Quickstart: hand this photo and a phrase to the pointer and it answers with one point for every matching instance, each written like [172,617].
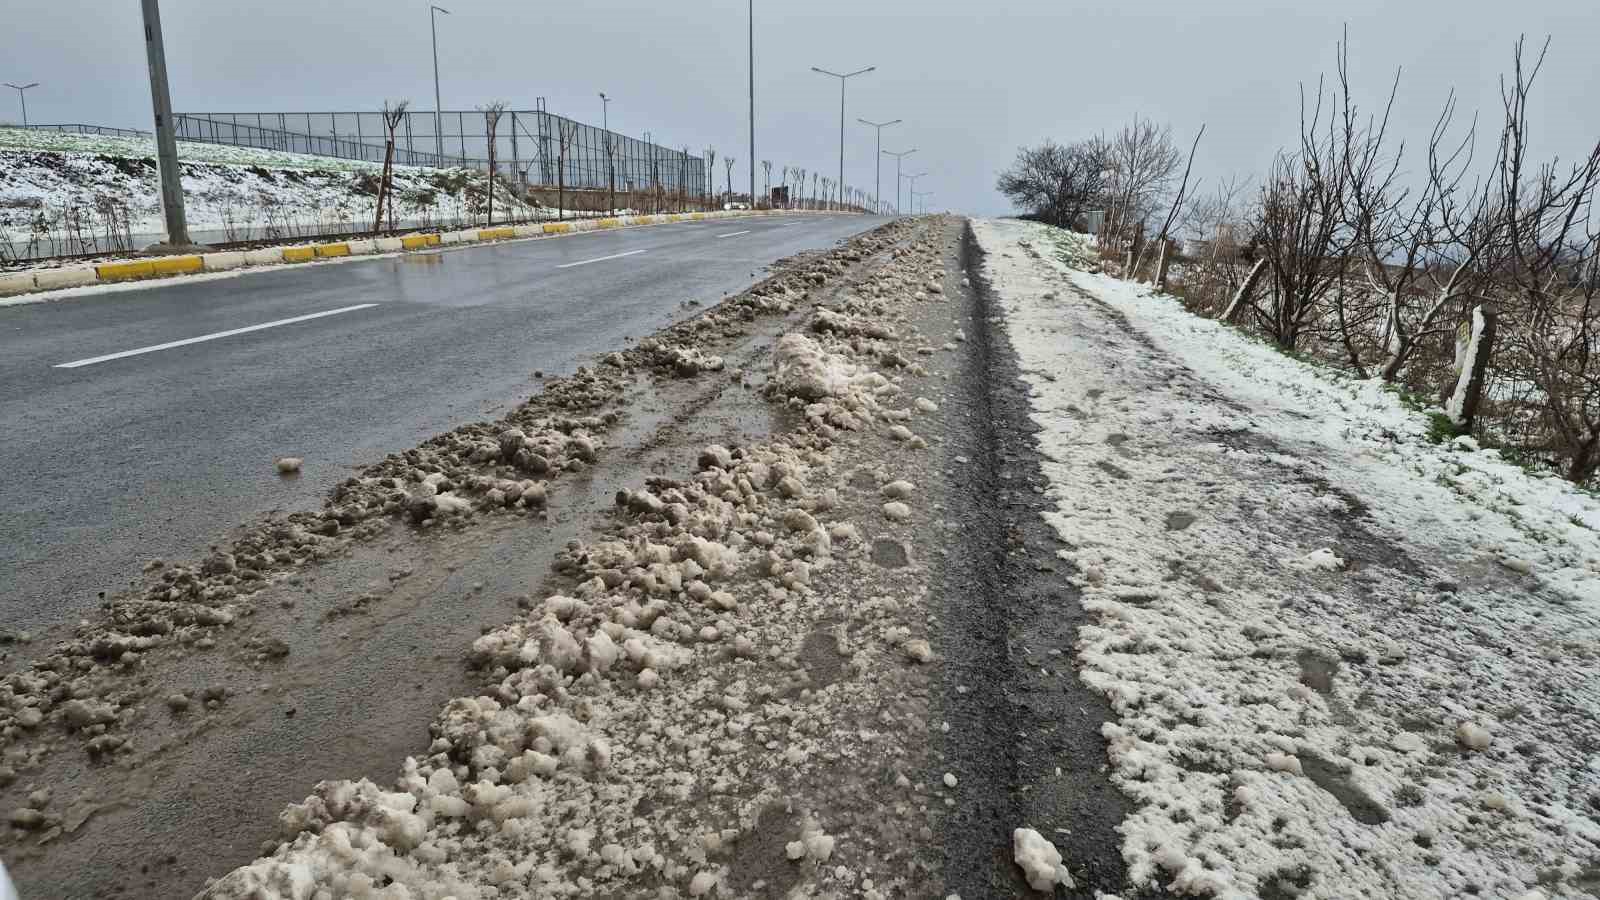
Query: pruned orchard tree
[711,174]
[567,130]
[393,114]
[1550,278]
[1056,182]
[491,125]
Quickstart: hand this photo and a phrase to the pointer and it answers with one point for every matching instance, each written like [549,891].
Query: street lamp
[438,131]
[166,138]
[877,174]
[611,166]
[912,190]
[924,195]
[751,10]
[19,88]
[842,80]
[897,176]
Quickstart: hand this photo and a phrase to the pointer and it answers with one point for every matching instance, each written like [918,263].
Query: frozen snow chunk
[701,884]
[716,456]
[917,650]
[794,849]
[949,779]
[1472,736]
[898,490]
[603,651]
[1039,859]
[288,465]
[1283,762]
[896,511]
[926,405]
[819,847]
[1323,560]
[900,433]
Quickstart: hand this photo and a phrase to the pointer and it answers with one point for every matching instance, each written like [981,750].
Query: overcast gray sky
[972,80]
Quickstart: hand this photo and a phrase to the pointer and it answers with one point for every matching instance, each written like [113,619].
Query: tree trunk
[1473,359]
[1241,297]
[1161,267]
[1586,459]
[383,183]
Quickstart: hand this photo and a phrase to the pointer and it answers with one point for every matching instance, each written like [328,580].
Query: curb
[19,283]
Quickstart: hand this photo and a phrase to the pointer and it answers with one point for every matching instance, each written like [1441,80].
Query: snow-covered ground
[1345,661]
[72,193]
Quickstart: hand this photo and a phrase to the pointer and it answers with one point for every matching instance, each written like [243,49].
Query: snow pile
[644,726]
[1345,661]
[1040,861]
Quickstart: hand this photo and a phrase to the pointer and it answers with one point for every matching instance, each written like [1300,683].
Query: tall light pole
[877,174]
[924,195]
[752,11]
[897,176]
[19,88]
[166,139]
[842,79]
[611,171]
[911,191]
[438,130]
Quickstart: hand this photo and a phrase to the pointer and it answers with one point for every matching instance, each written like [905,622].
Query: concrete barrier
[16,283]
[527,231]
[388,245]
[266,256]
[222,261]
[362,248]
[177,265]
[414,241]
[71,276]
[495,234]
[556,227]
[125,271]
[328,251]
[299,254]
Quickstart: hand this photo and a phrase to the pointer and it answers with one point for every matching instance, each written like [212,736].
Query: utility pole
[438,130]
[752,11]
[877,175]
[166,140]
[842,80]
[897,176]
[19,88]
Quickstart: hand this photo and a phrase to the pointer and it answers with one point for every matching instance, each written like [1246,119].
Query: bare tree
[711,174]
[566,131]
[784,179]
[766,183]
[1172,212]
[1140,163]
[1551,277]
[1056,182]
[727,164]
[491,124]
[393,114]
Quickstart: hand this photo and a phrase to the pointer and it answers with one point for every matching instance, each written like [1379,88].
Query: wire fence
[532,148]
[91,129]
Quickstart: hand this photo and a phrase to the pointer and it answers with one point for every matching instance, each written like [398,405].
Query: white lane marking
[585,262]
[79,363]
[787,224]
[734,233]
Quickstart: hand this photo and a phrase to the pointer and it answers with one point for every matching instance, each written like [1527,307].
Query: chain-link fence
[532,148]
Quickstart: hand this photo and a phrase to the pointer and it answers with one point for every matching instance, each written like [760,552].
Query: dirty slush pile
[707,707]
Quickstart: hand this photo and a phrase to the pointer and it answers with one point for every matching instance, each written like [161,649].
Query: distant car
[729,206]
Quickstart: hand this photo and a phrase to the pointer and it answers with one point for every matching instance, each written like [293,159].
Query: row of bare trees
[1407,264]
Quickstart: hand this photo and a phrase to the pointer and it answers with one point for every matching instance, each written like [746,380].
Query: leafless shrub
[1056,183]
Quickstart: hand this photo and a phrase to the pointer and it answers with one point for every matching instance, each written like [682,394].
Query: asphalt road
[111,462]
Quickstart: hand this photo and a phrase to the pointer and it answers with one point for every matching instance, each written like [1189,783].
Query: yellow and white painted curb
[17,283]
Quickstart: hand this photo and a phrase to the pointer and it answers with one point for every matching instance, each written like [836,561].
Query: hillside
[74,193]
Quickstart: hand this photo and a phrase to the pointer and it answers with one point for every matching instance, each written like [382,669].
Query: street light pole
[897,176]
[877,175]
[19,88]
[166,139]
[611,170]
[842,79]
[752,13]
[912,190]
[438,135]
